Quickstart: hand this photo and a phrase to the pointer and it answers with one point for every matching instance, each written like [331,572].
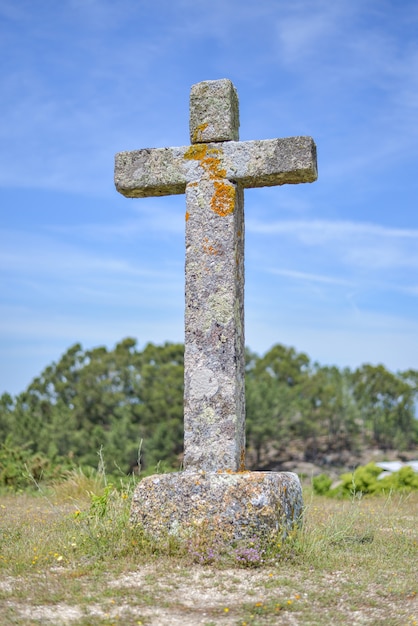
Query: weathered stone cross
[213,171]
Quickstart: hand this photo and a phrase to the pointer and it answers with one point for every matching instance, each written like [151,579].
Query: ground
[353,563]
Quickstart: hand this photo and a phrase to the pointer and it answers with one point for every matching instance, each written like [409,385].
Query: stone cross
[213,171]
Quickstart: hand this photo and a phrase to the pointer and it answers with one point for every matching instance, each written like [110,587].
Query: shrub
[321,484]
[21,468]
[365,480]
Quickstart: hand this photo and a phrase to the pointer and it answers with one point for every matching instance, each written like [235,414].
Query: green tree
[103,400]
[273,384]
[160,414]
[7,406]
[386,403]
[111,400]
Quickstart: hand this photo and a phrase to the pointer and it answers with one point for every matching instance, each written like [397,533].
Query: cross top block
[214,114]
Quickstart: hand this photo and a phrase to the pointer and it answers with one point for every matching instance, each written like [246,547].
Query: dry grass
[74,559]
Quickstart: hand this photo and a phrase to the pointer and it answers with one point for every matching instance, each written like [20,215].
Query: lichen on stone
[223,199]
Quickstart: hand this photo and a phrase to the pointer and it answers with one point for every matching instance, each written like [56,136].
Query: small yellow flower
[226,610]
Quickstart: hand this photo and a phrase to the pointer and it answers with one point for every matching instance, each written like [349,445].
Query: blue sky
[331,267]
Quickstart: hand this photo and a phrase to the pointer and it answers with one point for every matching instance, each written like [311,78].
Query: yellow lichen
[198,132]
[196,152]
[223,200]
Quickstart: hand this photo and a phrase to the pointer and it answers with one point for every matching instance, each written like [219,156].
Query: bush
[365,480]
[21,468]
[321,484]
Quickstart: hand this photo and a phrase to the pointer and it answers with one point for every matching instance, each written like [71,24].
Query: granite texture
[214,356]
[237,505]
[214,491]
[214,114]
[263,163]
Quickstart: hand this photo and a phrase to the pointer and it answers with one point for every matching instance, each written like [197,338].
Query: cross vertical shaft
[214,358]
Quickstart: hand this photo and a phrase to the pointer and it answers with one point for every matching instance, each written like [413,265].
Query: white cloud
[34,255]
[365,245]
[307,277]
[304,30]
[164,216]
[320,231]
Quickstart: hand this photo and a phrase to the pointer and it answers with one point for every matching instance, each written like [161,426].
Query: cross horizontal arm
[167,171]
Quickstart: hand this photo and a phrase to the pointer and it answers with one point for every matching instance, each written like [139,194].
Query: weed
[79,550]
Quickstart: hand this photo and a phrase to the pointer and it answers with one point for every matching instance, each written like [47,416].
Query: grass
[70,556]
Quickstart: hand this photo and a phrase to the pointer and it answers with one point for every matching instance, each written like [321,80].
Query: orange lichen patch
[212,166]
[208,248]
[223,200]
[209,159]
[187,215]
[242,460]
[233,472]
[198,132]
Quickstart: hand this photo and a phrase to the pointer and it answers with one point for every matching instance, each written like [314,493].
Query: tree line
[120,400]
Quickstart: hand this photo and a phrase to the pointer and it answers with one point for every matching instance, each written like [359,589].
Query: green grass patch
[71,555]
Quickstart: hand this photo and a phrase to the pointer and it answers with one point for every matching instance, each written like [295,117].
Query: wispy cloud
[307,277]
[319,231]
[305,30]
[366,245]
[159,217]
[34,254]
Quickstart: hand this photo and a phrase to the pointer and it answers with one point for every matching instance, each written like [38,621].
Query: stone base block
[236,505]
